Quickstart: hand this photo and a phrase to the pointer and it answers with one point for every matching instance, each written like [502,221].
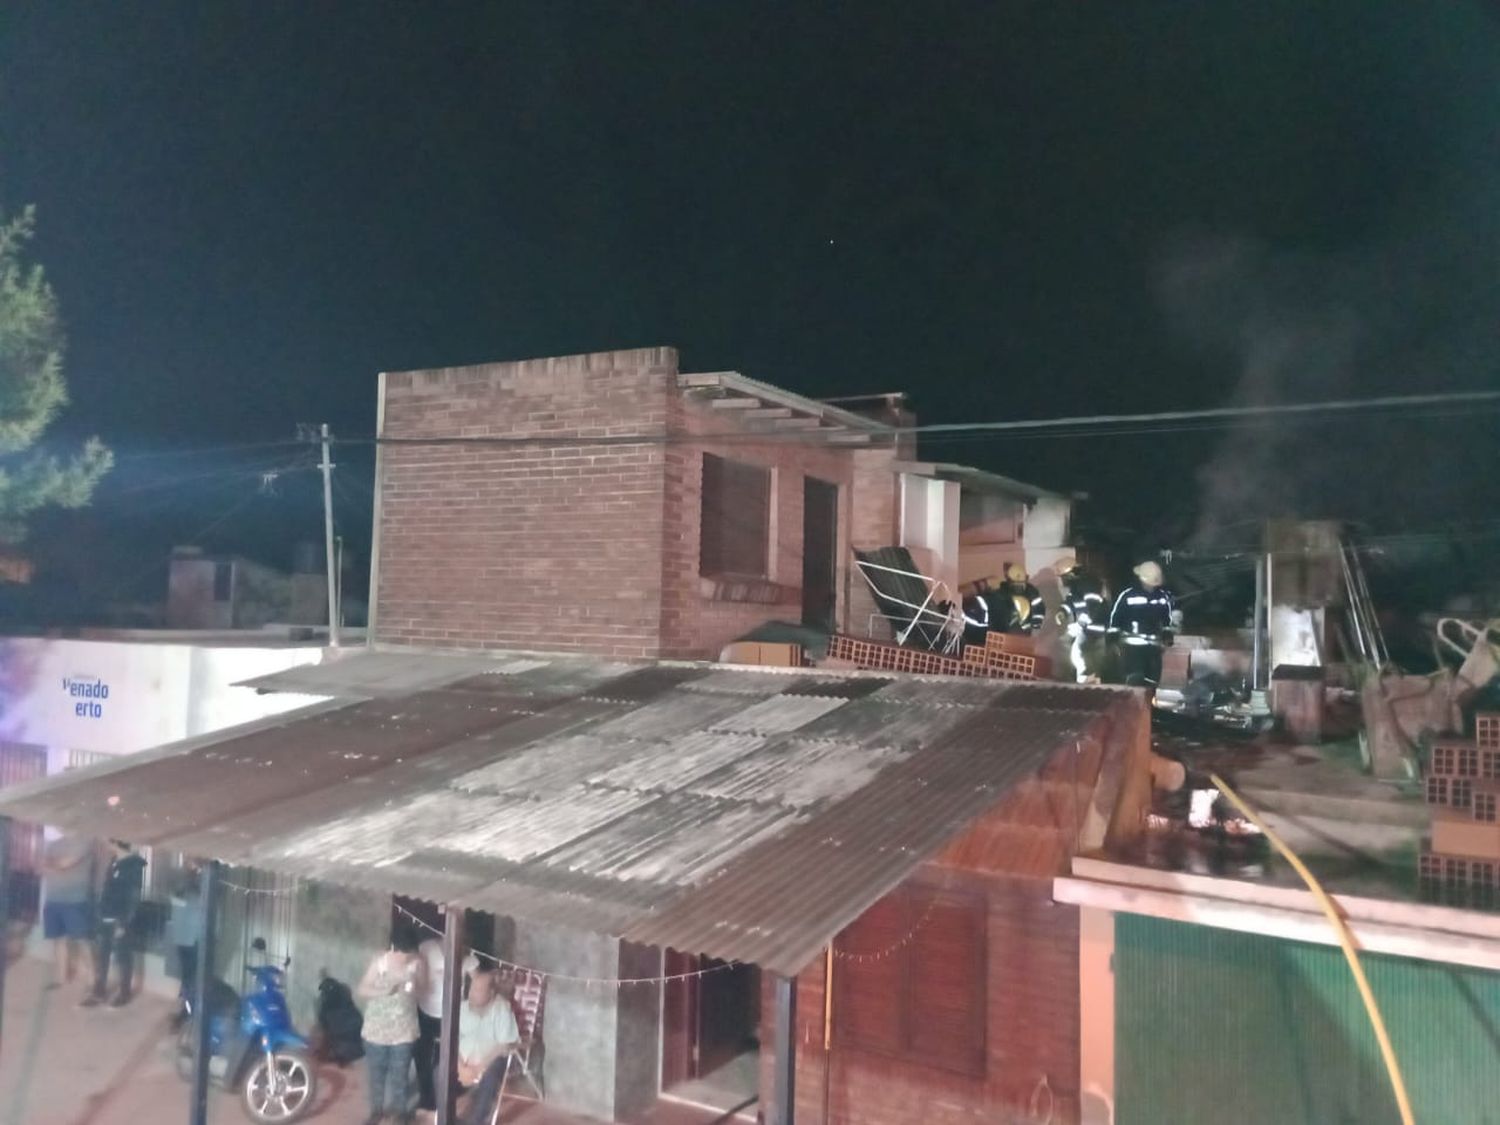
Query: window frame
[727,501]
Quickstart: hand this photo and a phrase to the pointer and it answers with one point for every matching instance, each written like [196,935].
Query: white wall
[930,525]
[1046,533]
[118,697]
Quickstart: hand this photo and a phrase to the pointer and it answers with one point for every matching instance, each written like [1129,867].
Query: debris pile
[1003,656]
[1462,859]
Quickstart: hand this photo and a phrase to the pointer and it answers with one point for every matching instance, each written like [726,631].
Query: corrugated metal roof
[738,814]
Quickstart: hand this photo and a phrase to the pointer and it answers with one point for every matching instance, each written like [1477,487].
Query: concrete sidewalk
[65,1065]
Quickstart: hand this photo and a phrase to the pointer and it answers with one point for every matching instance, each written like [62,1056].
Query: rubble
[1461,859]
[998,658]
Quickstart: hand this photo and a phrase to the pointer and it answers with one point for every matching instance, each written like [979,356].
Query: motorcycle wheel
[282,1095]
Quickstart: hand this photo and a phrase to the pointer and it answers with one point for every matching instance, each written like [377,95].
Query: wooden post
[208,890]
[784,1099]
[453,992]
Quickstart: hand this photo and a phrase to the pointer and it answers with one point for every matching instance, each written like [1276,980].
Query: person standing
[67,889]
[1145,619]
[1085,617]
[390,988]
[182,931]
[1030,610]
[119,908]
[429,1023]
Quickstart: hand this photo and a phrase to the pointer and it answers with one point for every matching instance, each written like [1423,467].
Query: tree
[33,391]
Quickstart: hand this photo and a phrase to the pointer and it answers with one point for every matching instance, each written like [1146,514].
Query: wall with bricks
[1033,1025]
[874,522]
[545,547]
[590,548]
[701,615]
[1031,1037]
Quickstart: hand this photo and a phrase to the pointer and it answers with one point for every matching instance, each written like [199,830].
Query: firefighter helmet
[1150,574]
[1015,572]
[1065,566]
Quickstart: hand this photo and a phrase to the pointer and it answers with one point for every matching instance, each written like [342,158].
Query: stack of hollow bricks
[1001,657]
[1463,788]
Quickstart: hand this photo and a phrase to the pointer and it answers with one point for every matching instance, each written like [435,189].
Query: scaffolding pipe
[1356,611]
[1258,628]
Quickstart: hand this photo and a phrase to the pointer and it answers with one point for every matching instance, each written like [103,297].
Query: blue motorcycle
[254,1048]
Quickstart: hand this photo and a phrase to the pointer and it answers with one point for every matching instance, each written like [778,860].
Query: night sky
[1010,210]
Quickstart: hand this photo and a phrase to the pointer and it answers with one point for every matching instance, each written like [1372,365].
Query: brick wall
[590,548]
[1032,1029]
[1031,1033]
[541,547]
[873,524]
[698,617]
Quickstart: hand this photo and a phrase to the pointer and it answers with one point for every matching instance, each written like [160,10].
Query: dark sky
[1008,209]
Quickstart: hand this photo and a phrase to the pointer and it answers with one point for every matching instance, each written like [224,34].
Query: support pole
[208,893]
[453,991]
[784,1098]
[1258,648]
[4,908]
[333,594]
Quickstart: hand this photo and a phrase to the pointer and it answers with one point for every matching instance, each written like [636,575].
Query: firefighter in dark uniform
[1030,611]
[976,614]
[1085,618]
[1143,621]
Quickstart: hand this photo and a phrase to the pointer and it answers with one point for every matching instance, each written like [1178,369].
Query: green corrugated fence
[1217,1026]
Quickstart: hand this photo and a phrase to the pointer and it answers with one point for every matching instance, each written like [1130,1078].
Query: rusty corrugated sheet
[737,814]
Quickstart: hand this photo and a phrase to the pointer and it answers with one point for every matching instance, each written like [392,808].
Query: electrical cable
[1079,425]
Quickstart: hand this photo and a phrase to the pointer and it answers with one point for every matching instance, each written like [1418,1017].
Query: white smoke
[1411,315]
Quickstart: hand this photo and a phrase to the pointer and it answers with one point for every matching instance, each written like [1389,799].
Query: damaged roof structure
[729,812]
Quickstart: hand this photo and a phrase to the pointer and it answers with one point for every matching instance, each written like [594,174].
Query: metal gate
[254,904]
[20,761]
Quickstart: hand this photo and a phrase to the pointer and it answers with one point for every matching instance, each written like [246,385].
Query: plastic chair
[528,999]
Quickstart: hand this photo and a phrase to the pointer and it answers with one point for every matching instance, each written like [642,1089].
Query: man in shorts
[67,911]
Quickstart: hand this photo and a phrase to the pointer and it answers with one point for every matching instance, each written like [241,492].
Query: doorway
[711,1032]
[820,537]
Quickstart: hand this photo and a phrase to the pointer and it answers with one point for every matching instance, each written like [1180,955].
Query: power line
[1414,406]
[206,450]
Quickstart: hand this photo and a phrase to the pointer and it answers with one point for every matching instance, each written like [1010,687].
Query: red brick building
[610,504]
[956,999]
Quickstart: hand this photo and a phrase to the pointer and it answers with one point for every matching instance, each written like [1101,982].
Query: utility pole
[333,594]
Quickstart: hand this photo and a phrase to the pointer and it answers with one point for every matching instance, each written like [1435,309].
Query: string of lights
[547,974]
[499,962]
[894,947]
[269,892]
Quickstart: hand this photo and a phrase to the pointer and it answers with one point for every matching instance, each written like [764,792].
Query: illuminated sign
[88,695]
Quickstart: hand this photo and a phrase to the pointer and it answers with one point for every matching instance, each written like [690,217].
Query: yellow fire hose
[1346,940]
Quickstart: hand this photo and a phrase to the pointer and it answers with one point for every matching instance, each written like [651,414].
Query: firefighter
[976,615]
[1084,615]
[1144,619]
[1030,611]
